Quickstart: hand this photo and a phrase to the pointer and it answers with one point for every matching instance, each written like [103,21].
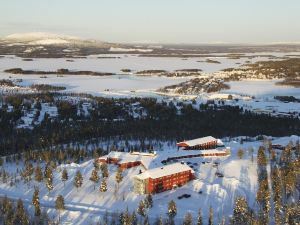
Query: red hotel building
[163,178]
[203,143]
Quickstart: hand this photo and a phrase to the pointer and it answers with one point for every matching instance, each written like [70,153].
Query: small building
[163,178]
[126,160]
[203,143]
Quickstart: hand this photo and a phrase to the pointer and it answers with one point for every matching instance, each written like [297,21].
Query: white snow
[37,36]
[164,171]
[114,49]
[199,141]
[49,42]
[86,205]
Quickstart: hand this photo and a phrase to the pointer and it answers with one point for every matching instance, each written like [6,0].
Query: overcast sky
[157,21]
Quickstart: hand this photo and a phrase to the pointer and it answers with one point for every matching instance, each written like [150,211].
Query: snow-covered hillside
[88,205]
[40,38]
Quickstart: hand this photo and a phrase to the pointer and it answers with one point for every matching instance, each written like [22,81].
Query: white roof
[199,141]
[164,171]
[126,157]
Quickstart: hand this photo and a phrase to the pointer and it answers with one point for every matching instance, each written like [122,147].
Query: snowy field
[119,85]
[133,62]
[86,205]
[261,88]
[130,85]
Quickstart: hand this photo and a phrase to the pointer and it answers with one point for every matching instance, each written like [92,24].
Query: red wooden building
[203,143]
[163,178]
[126,160]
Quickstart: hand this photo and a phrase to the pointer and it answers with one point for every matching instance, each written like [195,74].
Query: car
[186,195]
[218,174]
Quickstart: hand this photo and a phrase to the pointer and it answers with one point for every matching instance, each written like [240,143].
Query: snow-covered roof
[125,157]
[198,141]
[165,171]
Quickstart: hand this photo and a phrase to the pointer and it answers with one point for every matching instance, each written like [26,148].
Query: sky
[157,21]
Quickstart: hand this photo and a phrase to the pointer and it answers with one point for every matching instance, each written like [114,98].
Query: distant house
[203,143]
[126,160]
[162,179]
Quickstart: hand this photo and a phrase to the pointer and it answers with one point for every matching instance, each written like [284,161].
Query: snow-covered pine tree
[199,218]
[146,220]
[28,171]
[49,178]
[119,176]
[133,218]
[38,174]
[59,204]
[104,170]
[64,176]
[188,219]
[211,216]
[126,218]
[240,153]
[20,216]
[36,202]
[172,209]
[103,186]
[96,165]
[159,221]
[78,180]
[277,194]
[94,177]
[241,212]
[148,201]
[141,210]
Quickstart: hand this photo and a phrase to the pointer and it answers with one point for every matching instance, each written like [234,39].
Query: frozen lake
[132,85]
[261,88]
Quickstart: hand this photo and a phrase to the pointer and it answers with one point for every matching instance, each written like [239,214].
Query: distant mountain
[41,38]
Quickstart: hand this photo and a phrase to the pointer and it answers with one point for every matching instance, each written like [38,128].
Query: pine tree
[27,172]
[172,209]
[38,174]
[211,216]
[141,210]
[64,176]
[103,186]
[148,201]
[133,218]
[119,176]
[44,218]
[20,216]
[60,204]
[277,194]
[6,206]
[159,221]
[146,220]
[78,180]
[240,153]
[104,170]
[241,212]
[188,219]
[261,157]
[94,177]
[36,202]
[49,178]
[199,219]
[126,220]
[96,165]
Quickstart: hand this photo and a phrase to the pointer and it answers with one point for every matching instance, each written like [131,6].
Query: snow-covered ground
[130,85]
[86,205]
[261,88]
